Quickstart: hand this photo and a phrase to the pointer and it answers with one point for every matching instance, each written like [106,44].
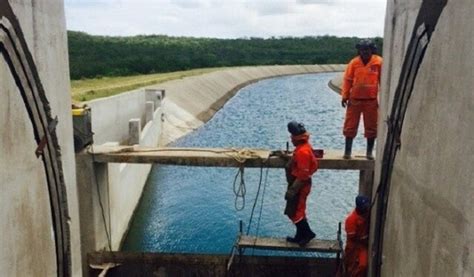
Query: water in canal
[192,209]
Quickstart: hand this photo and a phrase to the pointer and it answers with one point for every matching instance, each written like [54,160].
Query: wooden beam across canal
[230,157]
[218,157]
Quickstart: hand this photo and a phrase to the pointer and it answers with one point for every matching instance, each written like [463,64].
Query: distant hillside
[95,56]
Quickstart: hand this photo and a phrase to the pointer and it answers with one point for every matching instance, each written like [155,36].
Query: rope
[256,200]
[261,204]
[240,193]
[240,155]
[240,190]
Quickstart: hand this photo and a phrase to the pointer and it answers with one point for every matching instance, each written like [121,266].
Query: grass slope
[88,89]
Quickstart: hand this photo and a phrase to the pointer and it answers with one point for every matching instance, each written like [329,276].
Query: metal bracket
[51,127]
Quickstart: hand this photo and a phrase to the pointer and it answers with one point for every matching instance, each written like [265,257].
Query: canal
[195,210]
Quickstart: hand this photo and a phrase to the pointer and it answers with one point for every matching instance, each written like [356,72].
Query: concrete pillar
[366,181]
[162,94]
[149,111]
[154,95]
[92,182]
[134,129]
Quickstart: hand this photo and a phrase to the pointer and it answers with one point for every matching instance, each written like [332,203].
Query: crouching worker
[357,229]
[298,173]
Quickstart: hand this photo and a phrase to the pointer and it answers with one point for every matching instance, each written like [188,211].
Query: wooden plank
[217,157]
[315,245]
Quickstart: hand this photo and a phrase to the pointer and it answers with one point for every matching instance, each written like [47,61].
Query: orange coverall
[304,164]
[356,252]
[360,87]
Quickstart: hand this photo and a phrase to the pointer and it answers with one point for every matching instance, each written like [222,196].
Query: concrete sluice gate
[155,264]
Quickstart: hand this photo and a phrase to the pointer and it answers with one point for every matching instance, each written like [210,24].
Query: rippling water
[191,209]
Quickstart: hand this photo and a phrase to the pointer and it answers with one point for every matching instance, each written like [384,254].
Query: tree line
[96,56]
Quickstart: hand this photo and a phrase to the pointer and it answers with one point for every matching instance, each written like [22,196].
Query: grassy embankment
[88,89]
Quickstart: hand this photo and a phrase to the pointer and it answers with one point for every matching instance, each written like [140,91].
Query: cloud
[189,4]
[227,19]
[90,3]
[316,2]
[265,8]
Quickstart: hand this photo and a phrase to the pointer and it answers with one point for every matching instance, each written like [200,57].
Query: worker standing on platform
[357,229]
[359,94]
[299,171]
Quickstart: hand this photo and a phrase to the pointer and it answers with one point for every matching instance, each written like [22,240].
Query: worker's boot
[297,236]
[307,233]
[370,148]
[348,148]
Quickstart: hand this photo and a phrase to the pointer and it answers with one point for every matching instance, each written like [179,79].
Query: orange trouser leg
[350,260]
[351,122]
[370,115]
[361,270]
[355,261]
[300,213]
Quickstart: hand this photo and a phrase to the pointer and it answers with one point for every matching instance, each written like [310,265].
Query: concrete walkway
[336,83]
[192,101]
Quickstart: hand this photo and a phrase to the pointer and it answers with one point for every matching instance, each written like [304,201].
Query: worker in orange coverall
[359,94]
[357,230]
[299,171]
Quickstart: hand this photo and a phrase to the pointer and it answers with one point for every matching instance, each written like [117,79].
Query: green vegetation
[103,56]
[88,89]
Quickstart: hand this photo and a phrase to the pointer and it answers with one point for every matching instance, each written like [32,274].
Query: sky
[227,18]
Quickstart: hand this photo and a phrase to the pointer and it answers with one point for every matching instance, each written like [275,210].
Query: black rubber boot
[297,236]
[348,148]
[370,148]
[307,233]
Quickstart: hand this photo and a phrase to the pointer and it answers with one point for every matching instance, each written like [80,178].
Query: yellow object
[78,112]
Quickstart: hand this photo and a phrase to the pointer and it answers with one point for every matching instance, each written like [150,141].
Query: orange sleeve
[351,226]
[347,81]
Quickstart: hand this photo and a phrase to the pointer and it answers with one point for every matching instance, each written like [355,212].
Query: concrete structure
[429,227]
[192,101]
[336,83]
[109,194]
[111,115]
[31,242]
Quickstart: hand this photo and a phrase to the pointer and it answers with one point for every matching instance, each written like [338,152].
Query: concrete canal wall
[429,228]
[29,194]
[109,193]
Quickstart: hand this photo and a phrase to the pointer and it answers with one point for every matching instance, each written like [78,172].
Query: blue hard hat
[366,43]
[362,202]
[296,128]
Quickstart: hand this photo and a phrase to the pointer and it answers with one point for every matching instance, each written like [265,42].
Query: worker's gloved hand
[344,103]
[293,190]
